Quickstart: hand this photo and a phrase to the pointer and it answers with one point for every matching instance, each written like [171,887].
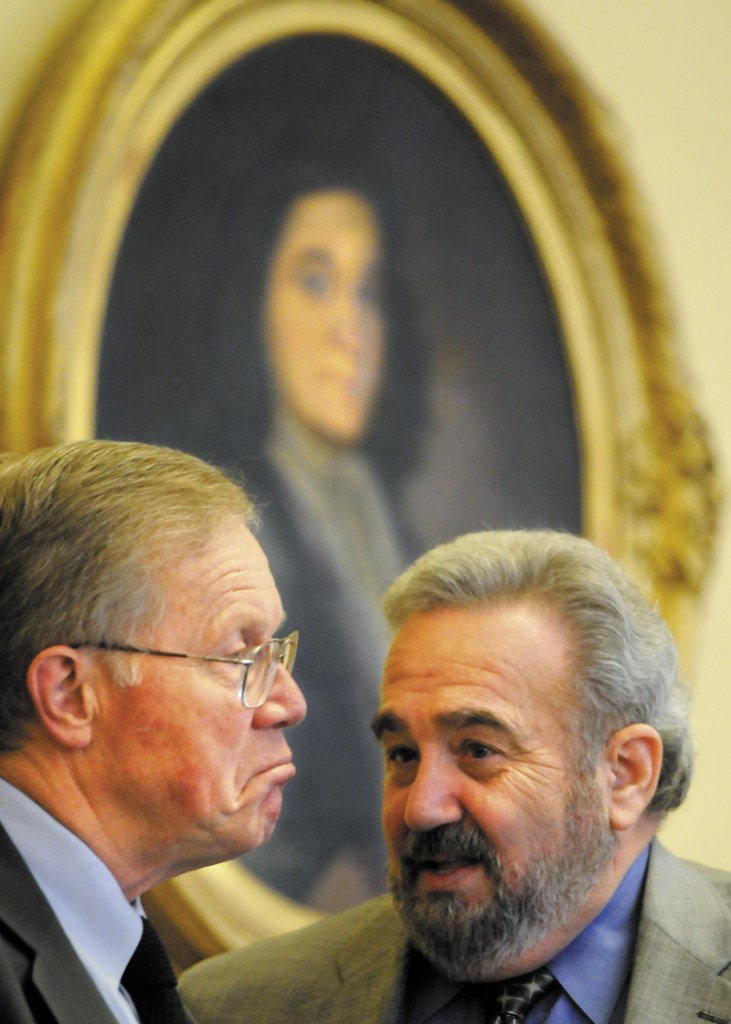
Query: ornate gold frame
[91,128]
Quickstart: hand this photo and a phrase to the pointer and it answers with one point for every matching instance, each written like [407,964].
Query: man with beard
[535,732]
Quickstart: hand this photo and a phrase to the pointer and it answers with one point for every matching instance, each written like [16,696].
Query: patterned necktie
[517,996]
[151,983]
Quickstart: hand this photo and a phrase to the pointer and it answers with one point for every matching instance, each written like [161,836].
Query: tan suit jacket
[349,969]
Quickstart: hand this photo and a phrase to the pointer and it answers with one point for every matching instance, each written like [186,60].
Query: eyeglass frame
[286,644]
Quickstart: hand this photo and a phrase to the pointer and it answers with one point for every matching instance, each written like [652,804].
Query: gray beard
[472,943]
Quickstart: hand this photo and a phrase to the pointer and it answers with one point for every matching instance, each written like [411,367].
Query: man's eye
[478,751]
[400,755]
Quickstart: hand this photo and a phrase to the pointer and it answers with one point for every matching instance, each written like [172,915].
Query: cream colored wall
[662,68]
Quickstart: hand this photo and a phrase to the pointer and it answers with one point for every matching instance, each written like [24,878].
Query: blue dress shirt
[594,969]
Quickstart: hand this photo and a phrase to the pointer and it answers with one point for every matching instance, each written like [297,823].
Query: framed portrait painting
[380,259]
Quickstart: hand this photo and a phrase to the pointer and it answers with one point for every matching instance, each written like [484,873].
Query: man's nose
[285,706]
[433,798]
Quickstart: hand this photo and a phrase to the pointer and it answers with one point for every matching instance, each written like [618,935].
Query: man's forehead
[518,630]
[504,664]
[230,569]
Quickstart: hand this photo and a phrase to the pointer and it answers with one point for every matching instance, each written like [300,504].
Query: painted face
[494,842]
[198,775]
[322,315]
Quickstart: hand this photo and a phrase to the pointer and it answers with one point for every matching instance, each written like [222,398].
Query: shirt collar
[608,940]
[76,883]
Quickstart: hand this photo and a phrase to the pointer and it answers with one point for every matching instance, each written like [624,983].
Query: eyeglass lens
[260,675]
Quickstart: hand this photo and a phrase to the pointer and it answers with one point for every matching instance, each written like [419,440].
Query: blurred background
[661,68]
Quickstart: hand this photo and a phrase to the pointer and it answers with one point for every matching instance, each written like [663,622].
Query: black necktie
[151,983]
[516,997]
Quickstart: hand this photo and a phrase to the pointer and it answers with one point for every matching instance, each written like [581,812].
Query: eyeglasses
[258,668]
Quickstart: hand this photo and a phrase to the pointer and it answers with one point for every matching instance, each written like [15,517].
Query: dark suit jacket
[42,980]
[349,969]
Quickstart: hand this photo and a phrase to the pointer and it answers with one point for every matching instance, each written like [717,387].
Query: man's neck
[50,778]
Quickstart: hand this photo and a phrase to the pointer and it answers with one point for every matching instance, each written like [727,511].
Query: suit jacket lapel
[64,983]
[371,966]
[682,966]
[57,972]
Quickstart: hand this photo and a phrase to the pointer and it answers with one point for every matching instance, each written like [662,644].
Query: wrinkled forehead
[227,576]
[498,657]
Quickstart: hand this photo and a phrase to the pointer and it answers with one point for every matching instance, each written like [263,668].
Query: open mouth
[444,865]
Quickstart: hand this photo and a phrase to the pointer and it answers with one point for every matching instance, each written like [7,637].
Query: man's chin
[440,927]
[270,811]
[256,823]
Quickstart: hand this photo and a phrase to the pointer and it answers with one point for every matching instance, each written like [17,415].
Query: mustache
[455,841]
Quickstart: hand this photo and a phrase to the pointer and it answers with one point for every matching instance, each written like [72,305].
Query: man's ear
[633,760]
[60,687]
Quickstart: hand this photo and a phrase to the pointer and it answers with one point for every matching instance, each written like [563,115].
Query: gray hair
[624,656]
[86,531]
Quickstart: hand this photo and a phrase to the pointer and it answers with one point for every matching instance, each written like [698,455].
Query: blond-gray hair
[86,530]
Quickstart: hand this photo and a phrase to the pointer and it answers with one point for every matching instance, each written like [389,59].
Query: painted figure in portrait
[330,331]
[326,286]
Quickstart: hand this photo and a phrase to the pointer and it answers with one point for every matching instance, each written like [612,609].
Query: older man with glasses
[142,718]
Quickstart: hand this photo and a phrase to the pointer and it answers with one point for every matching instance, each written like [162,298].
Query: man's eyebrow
[461,718]
[466,718]
[386,721]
